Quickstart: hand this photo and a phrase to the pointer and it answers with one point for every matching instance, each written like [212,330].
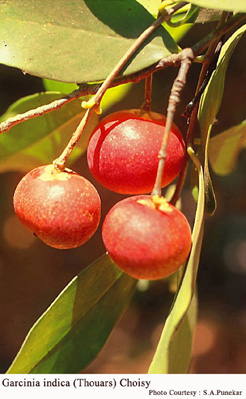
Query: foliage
[68,43]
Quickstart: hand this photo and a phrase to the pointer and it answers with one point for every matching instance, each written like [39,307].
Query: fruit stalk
[179,83]
[148,91]
[62,159]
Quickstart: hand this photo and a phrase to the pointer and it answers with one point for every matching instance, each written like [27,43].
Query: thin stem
[180,183]
[61,160]
[179,83]
[216,35]
[209,64]
[148,93]
[43,109]
[132,50]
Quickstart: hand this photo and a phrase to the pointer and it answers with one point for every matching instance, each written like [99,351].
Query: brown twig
[43,109]
[61,160]
[187,58]
[148,93]
[216,35]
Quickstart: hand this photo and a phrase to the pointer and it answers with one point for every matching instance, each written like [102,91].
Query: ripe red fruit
[148,239]
[123,151]
[61,208]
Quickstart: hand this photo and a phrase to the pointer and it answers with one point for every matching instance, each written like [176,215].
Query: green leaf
[200,15]
[178,32]
[78,41]
[225,148]
[212,96]
[54,85]
[111,96]
[40,140]
[180,347]
[209,107]
[151,6]
[178,329]
[227,5]
[77,324]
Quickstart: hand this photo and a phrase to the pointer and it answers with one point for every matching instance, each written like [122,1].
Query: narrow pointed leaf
[209,107]
[77,324]
[69,41]
[180,347]
[225,148]
[40,140]
[178,329]
[227,5]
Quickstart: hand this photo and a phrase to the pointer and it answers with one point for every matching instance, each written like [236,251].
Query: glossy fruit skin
[146,242]
[61,208]
[122,153]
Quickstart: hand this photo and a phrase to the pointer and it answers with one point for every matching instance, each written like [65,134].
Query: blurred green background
[32,274]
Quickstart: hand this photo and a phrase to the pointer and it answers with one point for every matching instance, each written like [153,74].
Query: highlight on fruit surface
[61,208]
[122,153]
[147,238]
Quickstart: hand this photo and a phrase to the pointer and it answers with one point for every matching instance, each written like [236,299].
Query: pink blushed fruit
[61,208]
[147,238]
[123,151]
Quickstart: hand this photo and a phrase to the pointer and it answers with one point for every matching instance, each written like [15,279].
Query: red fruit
[123,151]
[61,208]
[148,239]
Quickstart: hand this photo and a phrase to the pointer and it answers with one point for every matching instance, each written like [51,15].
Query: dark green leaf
[40,140]
[178,329]
[77,324]
[227,5]
[78,41]
[225,148]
